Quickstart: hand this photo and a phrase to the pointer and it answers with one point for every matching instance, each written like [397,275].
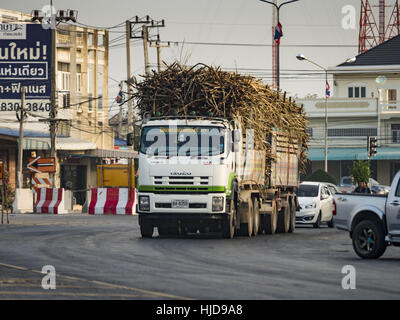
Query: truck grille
[191,205]
[181,181]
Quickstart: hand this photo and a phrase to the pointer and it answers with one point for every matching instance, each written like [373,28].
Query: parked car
[371,220]
[315,204]
[346,184]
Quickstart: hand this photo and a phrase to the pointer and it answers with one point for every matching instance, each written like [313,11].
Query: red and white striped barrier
[112,201]
[52,200]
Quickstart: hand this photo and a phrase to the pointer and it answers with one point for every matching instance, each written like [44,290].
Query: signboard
[25,60]
[40,165]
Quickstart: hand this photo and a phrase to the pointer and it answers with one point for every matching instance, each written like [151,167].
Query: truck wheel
[284,220]
[246,229]
[331,223]
[271,221]
[369,240]
[146,229]
[256,217]
[317,223]
[228,221]
[292,225]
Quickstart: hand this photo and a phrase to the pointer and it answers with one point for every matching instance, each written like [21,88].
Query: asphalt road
[104,257]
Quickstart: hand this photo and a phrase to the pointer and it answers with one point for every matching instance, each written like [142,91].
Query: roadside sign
[25,60]
[40,165]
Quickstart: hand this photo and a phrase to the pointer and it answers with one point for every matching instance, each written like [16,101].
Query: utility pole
[53,111]
[146,49]
[158,46]
[130,119]
[278,7]
[21,119]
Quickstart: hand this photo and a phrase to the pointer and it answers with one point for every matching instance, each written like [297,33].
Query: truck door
[393,210]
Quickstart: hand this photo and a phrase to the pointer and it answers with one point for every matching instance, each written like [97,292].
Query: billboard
[25,60]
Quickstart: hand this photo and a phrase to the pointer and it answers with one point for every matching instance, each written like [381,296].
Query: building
[365,103]
[84,137]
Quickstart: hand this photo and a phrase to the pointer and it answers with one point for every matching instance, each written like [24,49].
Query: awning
[62,143]
[318,154]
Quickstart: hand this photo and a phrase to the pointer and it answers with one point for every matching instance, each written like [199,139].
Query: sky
[308,25]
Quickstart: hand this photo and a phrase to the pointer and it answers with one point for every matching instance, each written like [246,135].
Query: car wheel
[369,240]
[331,223]
[317,223]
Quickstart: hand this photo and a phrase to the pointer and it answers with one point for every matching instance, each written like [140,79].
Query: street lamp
[277,54]
[301,57]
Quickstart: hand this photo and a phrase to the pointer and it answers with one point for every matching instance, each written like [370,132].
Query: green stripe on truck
[181,188]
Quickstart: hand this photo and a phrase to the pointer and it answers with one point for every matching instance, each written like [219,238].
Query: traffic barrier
[53,200]
[112,201]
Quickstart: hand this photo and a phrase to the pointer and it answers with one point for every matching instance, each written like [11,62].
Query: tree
[360,171]
[320,176]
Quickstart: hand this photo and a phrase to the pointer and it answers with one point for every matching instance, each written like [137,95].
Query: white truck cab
[186,169]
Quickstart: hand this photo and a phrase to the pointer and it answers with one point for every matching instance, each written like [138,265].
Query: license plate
[180,204]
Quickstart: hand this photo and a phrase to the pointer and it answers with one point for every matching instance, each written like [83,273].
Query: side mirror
[236,135]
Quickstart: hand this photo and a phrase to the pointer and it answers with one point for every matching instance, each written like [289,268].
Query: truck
[373,221]
[228,187]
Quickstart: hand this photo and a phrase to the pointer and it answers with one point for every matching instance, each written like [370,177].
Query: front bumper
[161,204]
[307,216]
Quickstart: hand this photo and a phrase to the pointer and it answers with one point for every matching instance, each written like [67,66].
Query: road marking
[107,284]
[75,294]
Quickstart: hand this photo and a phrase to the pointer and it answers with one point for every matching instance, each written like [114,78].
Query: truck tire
[284,220]
[256,217]
[271,221]
[228,221]
[292,225]
[246,229]
[146,229]
[369,239]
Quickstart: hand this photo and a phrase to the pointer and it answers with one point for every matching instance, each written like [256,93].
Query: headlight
[144,203]
[217,203]
[311,206]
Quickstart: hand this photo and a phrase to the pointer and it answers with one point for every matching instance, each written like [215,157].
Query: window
[62,66]
[91,39]
[79,82]
[310,131]
[100,86]
[90,101]
[352,132]
[66,98]
[90,78]
[392,96]
[100,40]
[396,133]
[357,92]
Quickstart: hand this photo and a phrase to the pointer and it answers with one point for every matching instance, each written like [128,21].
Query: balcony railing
[338,107]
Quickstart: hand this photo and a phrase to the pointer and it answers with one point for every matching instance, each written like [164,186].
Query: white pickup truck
[372,220]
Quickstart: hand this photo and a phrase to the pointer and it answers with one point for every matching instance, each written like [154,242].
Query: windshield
[306,190]
[182,141]
[347,181]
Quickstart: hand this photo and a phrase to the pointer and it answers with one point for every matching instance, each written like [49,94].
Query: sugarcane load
[219,152]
